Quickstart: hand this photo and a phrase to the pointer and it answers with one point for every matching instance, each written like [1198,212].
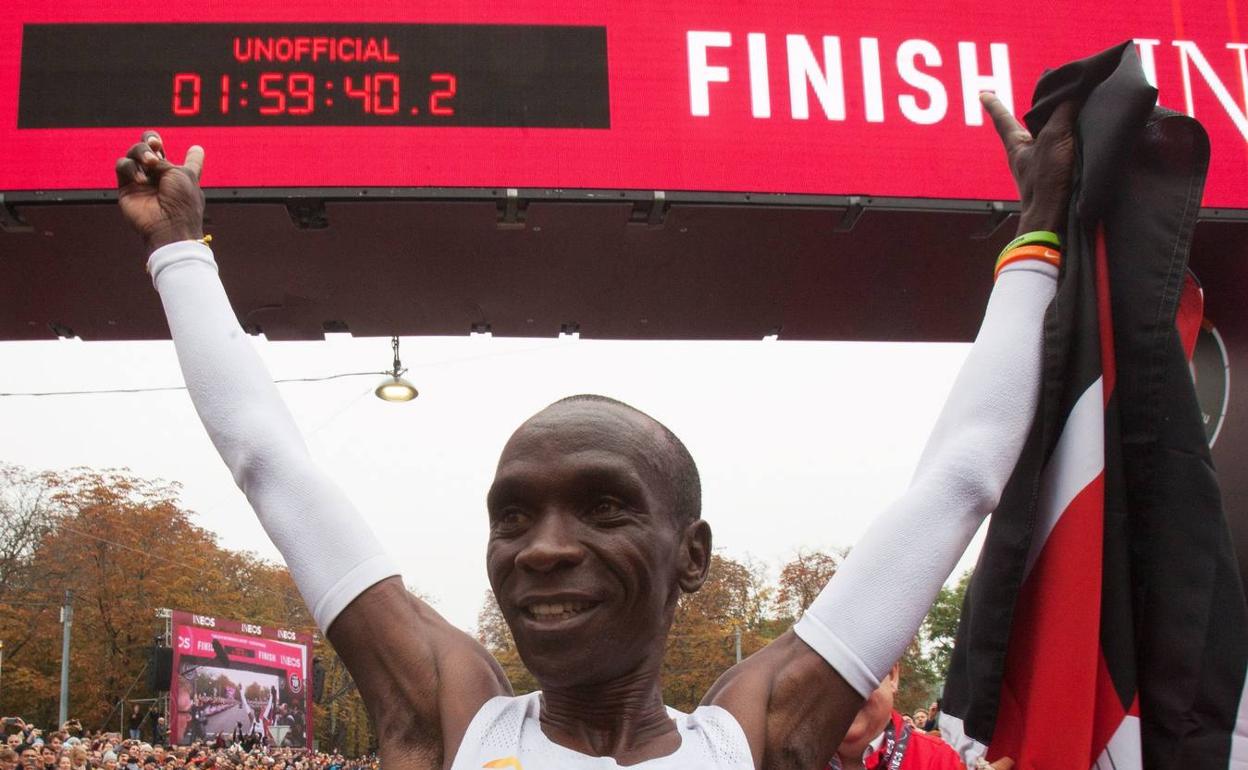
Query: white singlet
[507,733]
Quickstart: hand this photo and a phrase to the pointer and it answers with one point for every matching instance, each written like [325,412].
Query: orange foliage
[124,547]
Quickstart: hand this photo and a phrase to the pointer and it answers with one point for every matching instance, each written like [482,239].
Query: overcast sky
[799,444]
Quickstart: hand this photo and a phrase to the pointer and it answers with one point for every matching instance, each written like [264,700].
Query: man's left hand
[1042,165]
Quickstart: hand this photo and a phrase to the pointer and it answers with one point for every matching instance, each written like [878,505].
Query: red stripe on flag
[1191,314]
[1048,696]
[1109,709]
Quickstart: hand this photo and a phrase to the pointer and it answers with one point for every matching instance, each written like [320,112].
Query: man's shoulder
[931,753]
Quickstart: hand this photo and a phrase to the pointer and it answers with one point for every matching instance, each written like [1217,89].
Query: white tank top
[507,733]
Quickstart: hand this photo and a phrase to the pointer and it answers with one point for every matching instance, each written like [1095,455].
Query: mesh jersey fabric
[507,733]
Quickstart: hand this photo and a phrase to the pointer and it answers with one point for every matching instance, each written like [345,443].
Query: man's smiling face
[587,551]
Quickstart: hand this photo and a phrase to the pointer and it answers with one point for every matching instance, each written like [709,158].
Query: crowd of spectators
[71,747]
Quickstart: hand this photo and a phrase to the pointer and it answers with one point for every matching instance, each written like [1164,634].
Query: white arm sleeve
[331,553]
[868,613]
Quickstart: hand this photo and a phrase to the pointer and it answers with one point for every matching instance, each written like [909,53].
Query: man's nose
[551,544]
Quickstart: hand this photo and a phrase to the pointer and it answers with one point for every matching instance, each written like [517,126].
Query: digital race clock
[877,100]
[99,75]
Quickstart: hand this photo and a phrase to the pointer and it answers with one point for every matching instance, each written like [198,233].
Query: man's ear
[695,556]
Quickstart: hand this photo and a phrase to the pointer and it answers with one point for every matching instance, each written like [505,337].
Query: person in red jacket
[878,739]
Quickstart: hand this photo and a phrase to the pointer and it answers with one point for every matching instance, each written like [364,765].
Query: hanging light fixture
[396,388]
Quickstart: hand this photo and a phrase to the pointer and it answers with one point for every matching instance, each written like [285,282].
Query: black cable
[431,365]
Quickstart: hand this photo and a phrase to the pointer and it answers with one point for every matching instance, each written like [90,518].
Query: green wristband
[1040,237]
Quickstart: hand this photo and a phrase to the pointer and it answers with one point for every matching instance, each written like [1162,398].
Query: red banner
[240,681]
[242,649]
[873,99]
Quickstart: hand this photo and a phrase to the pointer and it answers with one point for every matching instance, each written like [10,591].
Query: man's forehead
[575,426]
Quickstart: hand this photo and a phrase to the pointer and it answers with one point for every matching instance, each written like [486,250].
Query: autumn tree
[920,682]
[27,514]
[940,628]
[495,636]
[124,547]
[342,722]
[802,578]
[925,665]
[925,662]
[735,599]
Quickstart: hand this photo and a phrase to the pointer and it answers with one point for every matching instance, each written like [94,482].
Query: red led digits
[393,81]
[269,91]
[435,99]
[363,94]
[182,107]
[311,72]
[301,85]
[295,94]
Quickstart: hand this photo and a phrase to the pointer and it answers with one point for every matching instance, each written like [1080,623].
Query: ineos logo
[287,635]
[248,628]
[204,620]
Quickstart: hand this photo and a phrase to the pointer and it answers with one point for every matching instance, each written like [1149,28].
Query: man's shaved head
[595,533]
[680,467]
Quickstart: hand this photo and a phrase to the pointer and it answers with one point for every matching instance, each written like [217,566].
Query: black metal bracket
[652,212]
[307,213]
[854,210]
[512,210]
[61,330]
[335,327]
[997,216]
[11,221]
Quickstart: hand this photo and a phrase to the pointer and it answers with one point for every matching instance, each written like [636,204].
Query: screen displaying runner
[240,681]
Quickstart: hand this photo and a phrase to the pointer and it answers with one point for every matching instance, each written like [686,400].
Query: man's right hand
[161,201]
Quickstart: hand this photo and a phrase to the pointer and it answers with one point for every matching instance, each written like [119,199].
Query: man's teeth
[558,610]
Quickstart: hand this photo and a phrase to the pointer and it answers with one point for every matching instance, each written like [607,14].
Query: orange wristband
[1035,251]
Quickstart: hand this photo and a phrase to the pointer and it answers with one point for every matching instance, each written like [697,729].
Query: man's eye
[606,508]
[510,518]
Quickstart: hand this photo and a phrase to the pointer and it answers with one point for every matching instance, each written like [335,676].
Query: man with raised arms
[595,531]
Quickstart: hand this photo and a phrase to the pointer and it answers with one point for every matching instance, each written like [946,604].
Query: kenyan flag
[1106,626]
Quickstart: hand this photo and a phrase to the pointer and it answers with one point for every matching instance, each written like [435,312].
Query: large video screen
[239,680]
[775,96]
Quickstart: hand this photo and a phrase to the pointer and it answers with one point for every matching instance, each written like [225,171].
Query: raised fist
[161,201]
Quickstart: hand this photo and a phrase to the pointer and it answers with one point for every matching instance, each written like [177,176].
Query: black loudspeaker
[160,668]
[318,680]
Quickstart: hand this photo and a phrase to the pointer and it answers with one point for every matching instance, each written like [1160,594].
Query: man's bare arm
[797,697]
[422,679]
[394,645]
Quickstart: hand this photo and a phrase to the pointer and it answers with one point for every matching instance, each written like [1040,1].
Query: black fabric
[1174,627]
[1116,102]
[1072,362]
[1191,623]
